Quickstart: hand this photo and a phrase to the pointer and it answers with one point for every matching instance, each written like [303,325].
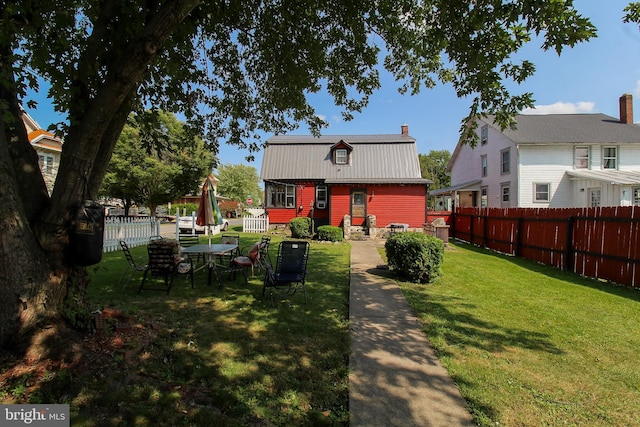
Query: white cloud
[561,108]
[321,117]
[637,89]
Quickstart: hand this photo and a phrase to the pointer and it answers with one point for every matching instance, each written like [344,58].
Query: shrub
[300,227]
[415,256]
[330,233]
[184,208]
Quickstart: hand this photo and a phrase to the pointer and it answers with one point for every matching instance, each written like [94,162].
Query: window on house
[281,195]
[581,158]
[505,161]
[46,164]
[484,200]
[321,196]
[610,158]
[484,134]
[341,156]
[636,196]
[594,197]
[505,190]
[483,161]
[542,192]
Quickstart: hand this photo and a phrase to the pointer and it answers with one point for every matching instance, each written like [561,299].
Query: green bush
[184,208]
[300,227]
[415,256]
[330,233]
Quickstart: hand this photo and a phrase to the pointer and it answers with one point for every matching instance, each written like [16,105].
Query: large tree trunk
[38,284]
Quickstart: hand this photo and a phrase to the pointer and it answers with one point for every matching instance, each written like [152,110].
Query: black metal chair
[132,265]
[257,257]
[229,239]
[165,263]
[290,271]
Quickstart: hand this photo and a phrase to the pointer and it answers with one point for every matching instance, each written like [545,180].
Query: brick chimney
[405,128]
[626,109]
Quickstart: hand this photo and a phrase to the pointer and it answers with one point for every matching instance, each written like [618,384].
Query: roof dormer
[341,153]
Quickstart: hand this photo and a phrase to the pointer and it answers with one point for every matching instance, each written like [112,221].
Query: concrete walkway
[395,377]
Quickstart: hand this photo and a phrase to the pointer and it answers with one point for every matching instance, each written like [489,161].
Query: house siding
[545,164]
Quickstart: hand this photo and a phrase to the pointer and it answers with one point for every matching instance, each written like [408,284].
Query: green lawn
[225,357]
[533,346]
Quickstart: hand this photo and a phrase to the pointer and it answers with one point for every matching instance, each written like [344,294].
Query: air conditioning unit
[321,204]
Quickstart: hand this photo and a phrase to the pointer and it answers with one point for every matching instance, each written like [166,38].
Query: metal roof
[571,128]
[374,159]
[471,185]
[609,176]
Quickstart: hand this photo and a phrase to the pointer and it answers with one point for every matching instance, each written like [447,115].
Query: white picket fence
[255,221]
[134,231]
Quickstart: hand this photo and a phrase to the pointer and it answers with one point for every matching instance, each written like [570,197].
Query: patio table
[210,252]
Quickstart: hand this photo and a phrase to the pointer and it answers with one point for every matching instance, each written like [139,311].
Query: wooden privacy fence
[134,231]
[601,242]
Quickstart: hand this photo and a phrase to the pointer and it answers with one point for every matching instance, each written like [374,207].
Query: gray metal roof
[471,185]
[571,128]
[374,159]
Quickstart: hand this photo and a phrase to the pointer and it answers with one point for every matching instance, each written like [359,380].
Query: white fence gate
[134,231]
[255,221]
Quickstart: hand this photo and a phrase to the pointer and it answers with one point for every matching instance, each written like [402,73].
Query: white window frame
[505,194]
[636,196]
[607,158]
[483,164]
[280,195]
[484,196]
[505,165]
[484,135]
[595,197]
[539,194]
[581,161]
[321,196]
[342,156]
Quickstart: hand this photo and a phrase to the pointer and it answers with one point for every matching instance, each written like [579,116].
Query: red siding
[404,204]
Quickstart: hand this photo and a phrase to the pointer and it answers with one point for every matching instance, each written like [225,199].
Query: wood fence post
[569,250]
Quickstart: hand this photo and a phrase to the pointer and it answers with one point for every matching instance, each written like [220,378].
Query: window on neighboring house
[483,161]
[505,161]
[46,164]
[483,197]
[505,197]
[281,195]
[342,157]
[581,158]
[594,197]
[321,196]
[541,192]
[610,158]
[484,134]
[636,196]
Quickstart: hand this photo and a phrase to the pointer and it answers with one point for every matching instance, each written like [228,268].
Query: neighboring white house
[555,161]
[48,147]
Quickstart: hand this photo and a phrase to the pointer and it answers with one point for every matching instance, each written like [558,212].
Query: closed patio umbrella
[208,212]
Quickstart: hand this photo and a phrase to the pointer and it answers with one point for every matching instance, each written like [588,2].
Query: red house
[373,178]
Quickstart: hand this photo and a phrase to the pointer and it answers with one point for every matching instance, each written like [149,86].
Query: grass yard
[533,346]
[205,356]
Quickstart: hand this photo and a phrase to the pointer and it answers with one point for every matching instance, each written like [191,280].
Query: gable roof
[570,128]
[374,159]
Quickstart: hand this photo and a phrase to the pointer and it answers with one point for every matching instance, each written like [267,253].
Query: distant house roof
[571,128]
[373,159]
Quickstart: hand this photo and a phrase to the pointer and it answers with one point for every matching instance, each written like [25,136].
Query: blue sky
[586,79]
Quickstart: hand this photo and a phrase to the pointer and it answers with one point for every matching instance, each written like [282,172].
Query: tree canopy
[433,166]
[239,182]
[232,69]
[155,174]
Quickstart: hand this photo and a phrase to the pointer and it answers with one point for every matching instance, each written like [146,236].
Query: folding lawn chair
[290,271]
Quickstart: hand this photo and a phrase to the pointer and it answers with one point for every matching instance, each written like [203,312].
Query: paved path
[395,377]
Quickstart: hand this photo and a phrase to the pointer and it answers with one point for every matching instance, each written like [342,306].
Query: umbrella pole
[209,227]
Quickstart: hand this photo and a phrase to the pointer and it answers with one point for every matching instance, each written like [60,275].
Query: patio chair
[257,257]
[290,271]
[132,265]
[166,263]
[188,240]
[229,239]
